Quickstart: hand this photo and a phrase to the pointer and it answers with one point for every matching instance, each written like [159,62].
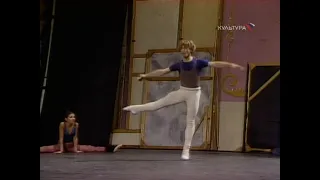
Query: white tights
[189,95]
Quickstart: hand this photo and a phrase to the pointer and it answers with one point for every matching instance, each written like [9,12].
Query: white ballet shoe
[185,155]
[128,108]
[117,147]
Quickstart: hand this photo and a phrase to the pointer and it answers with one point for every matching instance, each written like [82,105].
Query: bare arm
[223,64]
[61,134]
[75,138]
[158,72]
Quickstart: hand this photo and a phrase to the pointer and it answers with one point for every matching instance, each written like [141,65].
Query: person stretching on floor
[68,139]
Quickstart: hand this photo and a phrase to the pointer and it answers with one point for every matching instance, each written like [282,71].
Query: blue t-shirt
[187,66]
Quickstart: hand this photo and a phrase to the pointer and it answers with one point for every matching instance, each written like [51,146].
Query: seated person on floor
[68,139]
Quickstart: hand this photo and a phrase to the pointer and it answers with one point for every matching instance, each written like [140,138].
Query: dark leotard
[68,137]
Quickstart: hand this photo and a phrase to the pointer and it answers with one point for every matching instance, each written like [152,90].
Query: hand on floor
[58,152]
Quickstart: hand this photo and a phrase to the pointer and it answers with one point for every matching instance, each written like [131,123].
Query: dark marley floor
[158,165]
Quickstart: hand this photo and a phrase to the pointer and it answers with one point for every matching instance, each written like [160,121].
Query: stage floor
[158,165]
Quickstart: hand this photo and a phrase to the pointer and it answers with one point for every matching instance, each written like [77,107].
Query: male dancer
[189,92]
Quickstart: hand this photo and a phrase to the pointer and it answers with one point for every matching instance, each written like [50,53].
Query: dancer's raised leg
[173,97]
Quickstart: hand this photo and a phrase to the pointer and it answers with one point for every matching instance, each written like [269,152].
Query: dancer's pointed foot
[185,155]
[113,148]
[129,108]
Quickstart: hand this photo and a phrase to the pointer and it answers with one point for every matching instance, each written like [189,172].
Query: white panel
[156,25]
[136,98]
[126,138]
[139,65]
[231,125]
[135,121]
[136,91]
[200,20]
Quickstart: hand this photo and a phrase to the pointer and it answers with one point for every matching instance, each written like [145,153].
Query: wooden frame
[123,85]
[209,110]
[121,74]
[180,21]
[217,82]
[126,131]
[131,58]
[251,66]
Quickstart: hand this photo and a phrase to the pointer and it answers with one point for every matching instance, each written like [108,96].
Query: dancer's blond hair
[187,44]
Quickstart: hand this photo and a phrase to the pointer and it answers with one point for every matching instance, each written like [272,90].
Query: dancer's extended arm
[75,139]
[158,72]
[61,134]
[223,64]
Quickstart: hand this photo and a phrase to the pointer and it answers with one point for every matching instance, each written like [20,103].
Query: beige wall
[231,126]
[157,25]
[200,19]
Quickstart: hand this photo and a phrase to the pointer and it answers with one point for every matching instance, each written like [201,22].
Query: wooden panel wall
[160,24]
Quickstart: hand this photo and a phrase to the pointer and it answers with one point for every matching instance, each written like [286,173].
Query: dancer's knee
[84,148]
[170,99]
[191,125]
[191,120]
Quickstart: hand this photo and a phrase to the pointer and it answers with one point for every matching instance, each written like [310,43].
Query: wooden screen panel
[156,25]
[136,98]
[200,21]
[263,108]
[138,65]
